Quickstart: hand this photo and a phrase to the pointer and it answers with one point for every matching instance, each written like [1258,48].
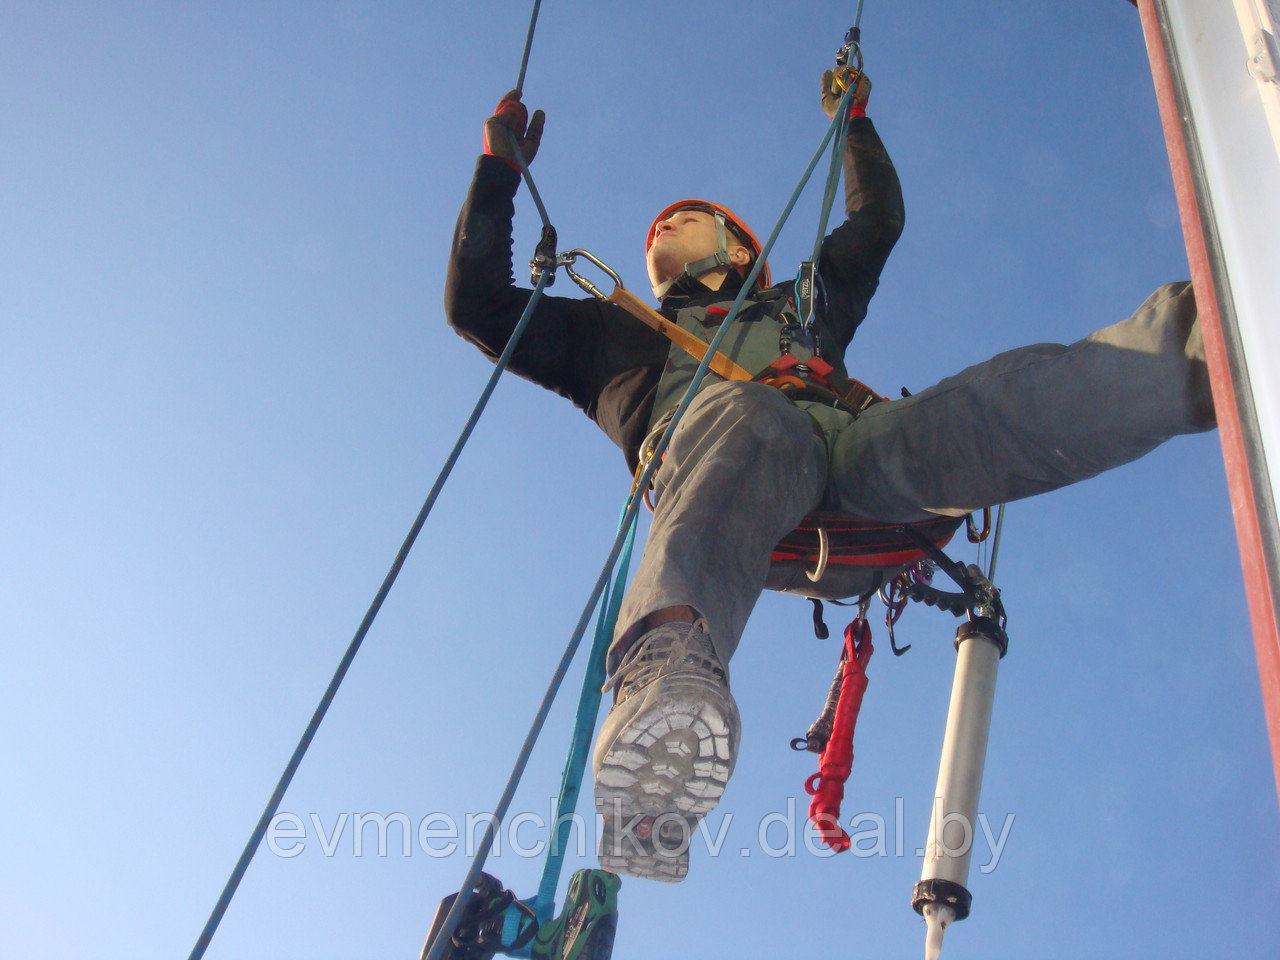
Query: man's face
[685,236]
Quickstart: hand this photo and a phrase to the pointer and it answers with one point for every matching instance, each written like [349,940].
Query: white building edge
[1216,66]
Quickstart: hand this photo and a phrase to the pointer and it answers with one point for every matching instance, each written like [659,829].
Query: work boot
[665,751]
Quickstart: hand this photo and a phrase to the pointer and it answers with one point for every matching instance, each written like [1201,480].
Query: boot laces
[663,650]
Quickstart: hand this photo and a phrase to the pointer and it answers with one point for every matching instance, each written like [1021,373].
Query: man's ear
[740,256]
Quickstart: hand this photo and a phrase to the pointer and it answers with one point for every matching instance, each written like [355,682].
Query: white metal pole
[941,895]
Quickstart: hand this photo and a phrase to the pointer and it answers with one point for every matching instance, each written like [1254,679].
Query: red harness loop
[826,787]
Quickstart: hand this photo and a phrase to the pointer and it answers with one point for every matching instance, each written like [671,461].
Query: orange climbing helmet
[722,214]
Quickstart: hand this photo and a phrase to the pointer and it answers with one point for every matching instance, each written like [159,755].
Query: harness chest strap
[815,379]
[682,338]
[818,375]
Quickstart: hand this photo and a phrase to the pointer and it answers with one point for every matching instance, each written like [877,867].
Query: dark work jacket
[610,364]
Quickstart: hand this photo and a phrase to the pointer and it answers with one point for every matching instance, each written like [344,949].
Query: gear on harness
[822,539]
[831,735]
[815,379]
[980,596]
[478,933]
[897,592]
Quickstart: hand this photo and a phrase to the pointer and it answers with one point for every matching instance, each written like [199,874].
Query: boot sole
[665,770]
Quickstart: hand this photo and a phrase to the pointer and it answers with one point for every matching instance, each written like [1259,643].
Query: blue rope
[528,179]
[528,44]
[584,725]
[723,329]
[273,804]
[833,172]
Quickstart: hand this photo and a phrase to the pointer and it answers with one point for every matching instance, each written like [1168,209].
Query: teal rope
[535,729]
[543,904]
[723,329]
[584,725]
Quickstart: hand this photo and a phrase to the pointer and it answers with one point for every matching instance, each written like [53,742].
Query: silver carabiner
[567,261]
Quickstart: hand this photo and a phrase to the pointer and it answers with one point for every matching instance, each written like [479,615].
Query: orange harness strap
[682,338]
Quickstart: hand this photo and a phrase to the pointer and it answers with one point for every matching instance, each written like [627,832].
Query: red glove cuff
[503,107]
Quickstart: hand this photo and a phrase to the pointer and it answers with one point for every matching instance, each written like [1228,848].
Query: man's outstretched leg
[744,466]
[1030,420]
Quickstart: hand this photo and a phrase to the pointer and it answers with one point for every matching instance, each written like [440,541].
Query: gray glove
[834,86]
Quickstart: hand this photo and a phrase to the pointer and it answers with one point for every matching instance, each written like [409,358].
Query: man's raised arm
[855,252]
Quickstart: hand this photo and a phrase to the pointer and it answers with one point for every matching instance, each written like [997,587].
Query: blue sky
[229,386]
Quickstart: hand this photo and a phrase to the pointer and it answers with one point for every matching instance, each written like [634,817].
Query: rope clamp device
[544,257]
[478,934]
[979,597]
[806,278]
[852,45]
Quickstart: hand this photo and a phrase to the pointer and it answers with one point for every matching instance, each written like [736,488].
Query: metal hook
[971,528]
[824,552]
[567,260]
[893,644]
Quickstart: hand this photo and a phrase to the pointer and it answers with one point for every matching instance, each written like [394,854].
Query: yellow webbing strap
[682,338]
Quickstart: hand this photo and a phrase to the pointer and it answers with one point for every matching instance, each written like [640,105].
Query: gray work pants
[746,464]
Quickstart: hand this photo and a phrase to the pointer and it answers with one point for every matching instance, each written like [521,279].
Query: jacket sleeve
[855,252]
[562,348]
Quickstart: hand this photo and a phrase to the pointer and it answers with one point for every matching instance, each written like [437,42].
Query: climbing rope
[277,795]
[282,785]
[584,727]
[528,44]
[535,729]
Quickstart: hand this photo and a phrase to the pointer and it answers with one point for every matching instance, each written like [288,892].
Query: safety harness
[821,538]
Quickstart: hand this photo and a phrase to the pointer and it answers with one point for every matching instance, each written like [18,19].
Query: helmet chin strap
[700,268]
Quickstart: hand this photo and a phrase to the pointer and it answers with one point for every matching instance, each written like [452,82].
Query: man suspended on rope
[748,461]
